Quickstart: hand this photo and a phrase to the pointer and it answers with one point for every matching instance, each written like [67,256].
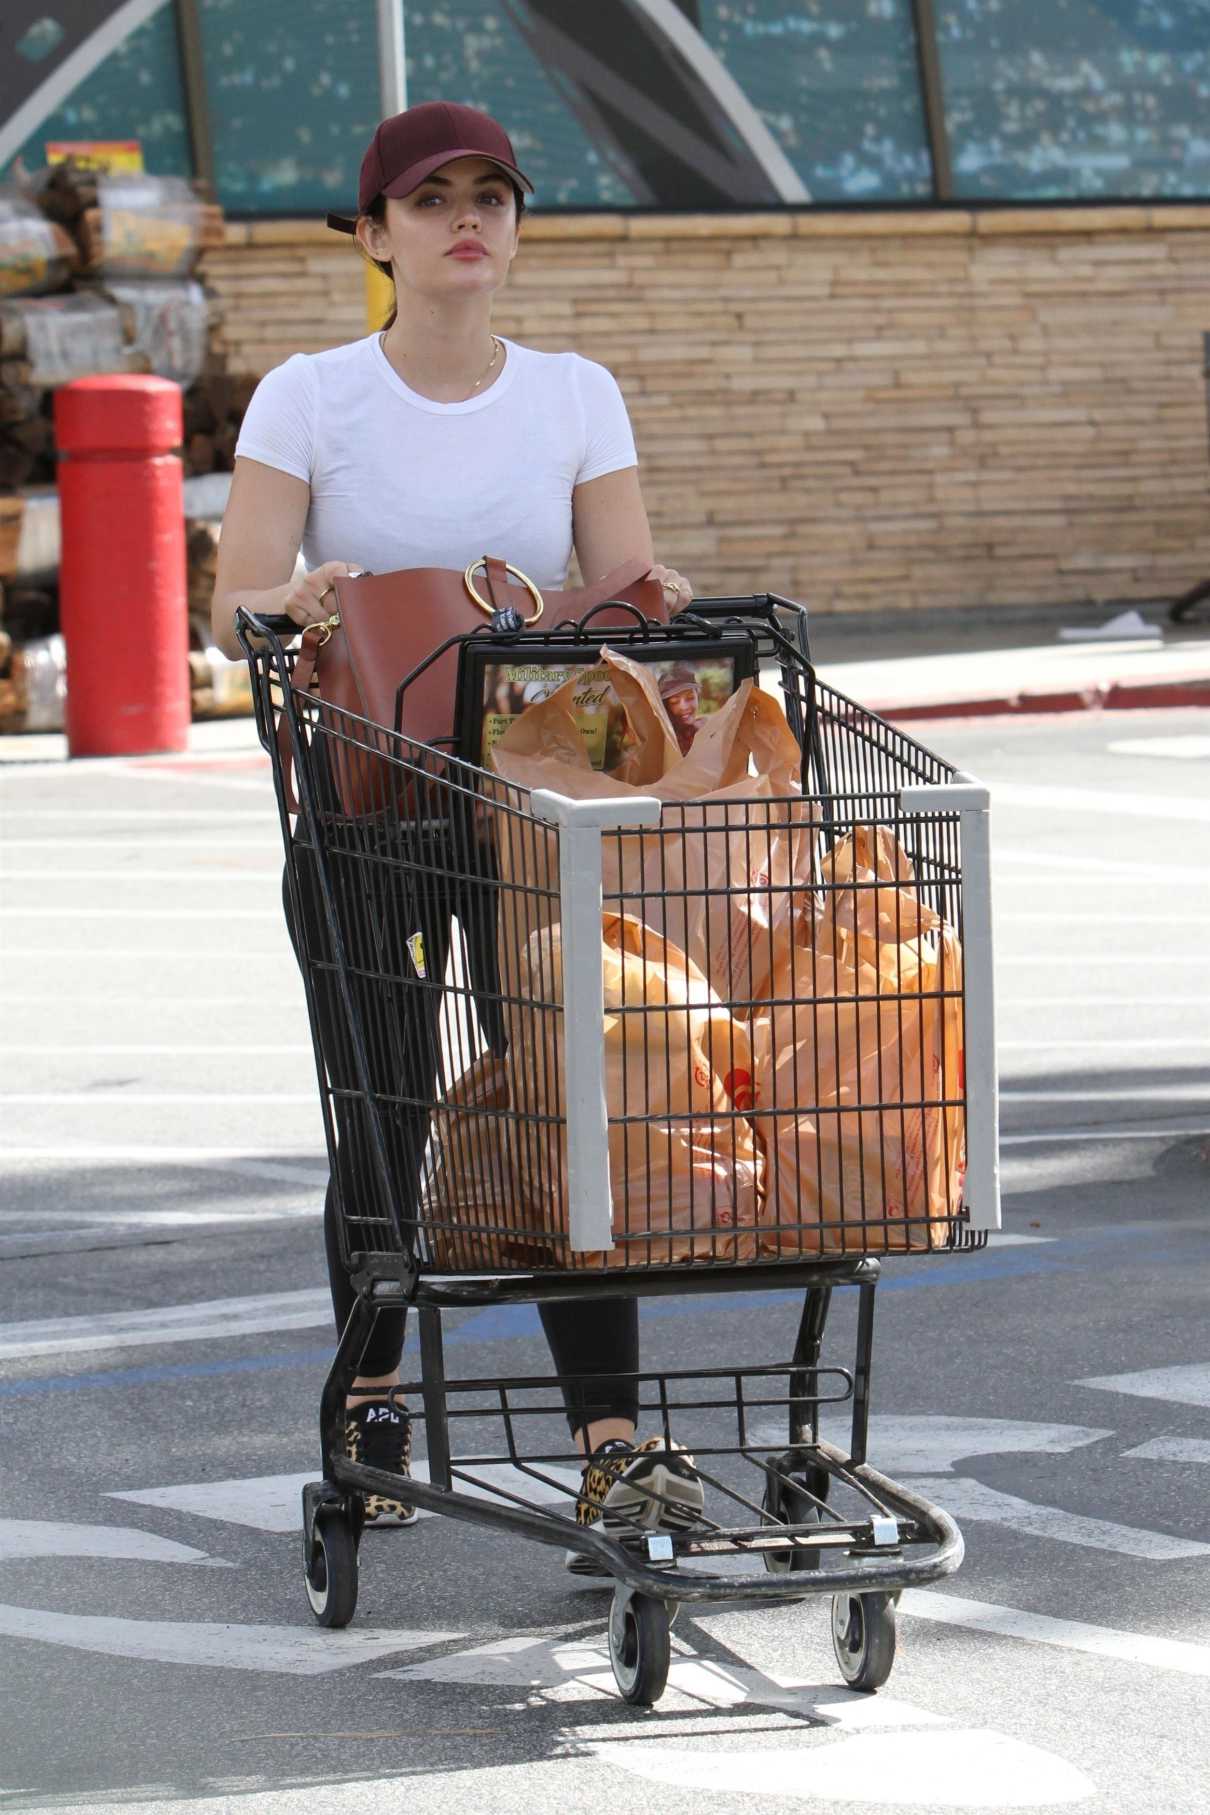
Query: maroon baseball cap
[411,145]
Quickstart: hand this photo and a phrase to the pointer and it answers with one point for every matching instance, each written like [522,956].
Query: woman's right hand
[308,599]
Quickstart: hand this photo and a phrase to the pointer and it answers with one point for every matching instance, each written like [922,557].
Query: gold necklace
[497,349]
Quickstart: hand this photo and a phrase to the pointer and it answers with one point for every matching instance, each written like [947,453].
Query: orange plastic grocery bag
[859,1069]
[717,878]
[473,1213]
[683,1163]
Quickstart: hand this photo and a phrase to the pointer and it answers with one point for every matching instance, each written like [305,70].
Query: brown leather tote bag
[384,626]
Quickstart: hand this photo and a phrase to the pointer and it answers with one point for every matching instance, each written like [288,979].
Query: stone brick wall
[863,411]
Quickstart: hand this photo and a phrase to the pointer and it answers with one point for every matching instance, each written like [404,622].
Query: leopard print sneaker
[380,1437]
[653,1486]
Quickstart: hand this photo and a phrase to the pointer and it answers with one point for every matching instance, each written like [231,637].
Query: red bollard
[122,582]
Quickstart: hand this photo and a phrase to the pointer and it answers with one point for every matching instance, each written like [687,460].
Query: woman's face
[454,236]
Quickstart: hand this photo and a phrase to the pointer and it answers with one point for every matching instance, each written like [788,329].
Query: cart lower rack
[725,1031]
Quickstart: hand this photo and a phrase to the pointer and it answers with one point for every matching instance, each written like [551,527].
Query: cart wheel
[639,1647]
[792,1505]
[331,1569]
[863,1637]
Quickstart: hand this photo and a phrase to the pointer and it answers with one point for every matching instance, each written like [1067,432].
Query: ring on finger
[327,589]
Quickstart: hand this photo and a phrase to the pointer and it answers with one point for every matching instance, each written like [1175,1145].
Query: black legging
[596,1336]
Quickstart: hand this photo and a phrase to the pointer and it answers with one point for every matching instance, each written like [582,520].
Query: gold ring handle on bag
[327,625]
[486,605]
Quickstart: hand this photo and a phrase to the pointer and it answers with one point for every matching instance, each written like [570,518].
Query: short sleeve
[279,423]
[608,436]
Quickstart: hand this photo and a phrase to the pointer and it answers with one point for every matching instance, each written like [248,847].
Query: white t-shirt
[400,481]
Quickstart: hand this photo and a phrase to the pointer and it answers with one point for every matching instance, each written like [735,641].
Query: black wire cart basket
[638,1037]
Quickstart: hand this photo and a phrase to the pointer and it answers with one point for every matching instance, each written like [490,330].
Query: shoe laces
[380,1436]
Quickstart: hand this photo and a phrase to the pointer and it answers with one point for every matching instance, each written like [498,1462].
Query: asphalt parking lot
[164,1330]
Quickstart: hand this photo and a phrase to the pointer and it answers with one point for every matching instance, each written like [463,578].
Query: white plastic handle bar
[580,823]
[971,800]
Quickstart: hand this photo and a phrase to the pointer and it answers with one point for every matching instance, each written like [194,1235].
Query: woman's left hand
[678,591]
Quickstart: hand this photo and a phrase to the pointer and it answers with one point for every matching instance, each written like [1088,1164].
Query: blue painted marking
[503,1323]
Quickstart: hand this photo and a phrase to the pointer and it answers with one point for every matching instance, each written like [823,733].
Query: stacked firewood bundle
[214,410]
[27,434]
[35,254]
[96,276]
[131,226]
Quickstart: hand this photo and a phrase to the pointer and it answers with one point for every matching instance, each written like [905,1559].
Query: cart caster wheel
[784,1505]
[331,1569]
[639,1648]
[863,1637]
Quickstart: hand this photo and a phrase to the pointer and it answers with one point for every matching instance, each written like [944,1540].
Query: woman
[427,445]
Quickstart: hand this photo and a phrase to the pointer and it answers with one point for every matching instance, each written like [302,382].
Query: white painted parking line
[124,1543]
[221,816]
[1008,1003]
[1187,1383]
[1141,1093]
[77,915]
[1094,918]
[274,1502]
[268,1163]
[116,997]
[85,1049]
[1090,868]
[1041,1136]
[1116,803]
[82,1099]
[199,843]
[202,873]
[94,955]
[1173,1449]
[1187,747]
[203,776]
[926,1443]
[1100,960]
[967,1499]
[1181,1655]
[203,1321]
[962,1768]
[1116,1047]
[262,1502]
[247,751]
[283,1650]
[579,1669]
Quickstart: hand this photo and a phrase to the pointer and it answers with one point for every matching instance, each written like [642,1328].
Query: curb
[1107,696]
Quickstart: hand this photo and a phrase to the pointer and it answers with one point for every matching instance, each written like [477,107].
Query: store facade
[907,296]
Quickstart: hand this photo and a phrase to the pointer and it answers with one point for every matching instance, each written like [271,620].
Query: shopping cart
[509,1144]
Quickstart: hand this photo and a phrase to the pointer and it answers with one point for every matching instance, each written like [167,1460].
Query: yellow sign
[98,154]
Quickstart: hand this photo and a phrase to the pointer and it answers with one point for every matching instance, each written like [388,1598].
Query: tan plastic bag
[717,878]
[683,1164]
[472,1210]
[863,1027]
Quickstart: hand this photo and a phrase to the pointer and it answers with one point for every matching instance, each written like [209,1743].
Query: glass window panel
[136,93]
[836,82]
[293,101]
[481,52]
[1076,98]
